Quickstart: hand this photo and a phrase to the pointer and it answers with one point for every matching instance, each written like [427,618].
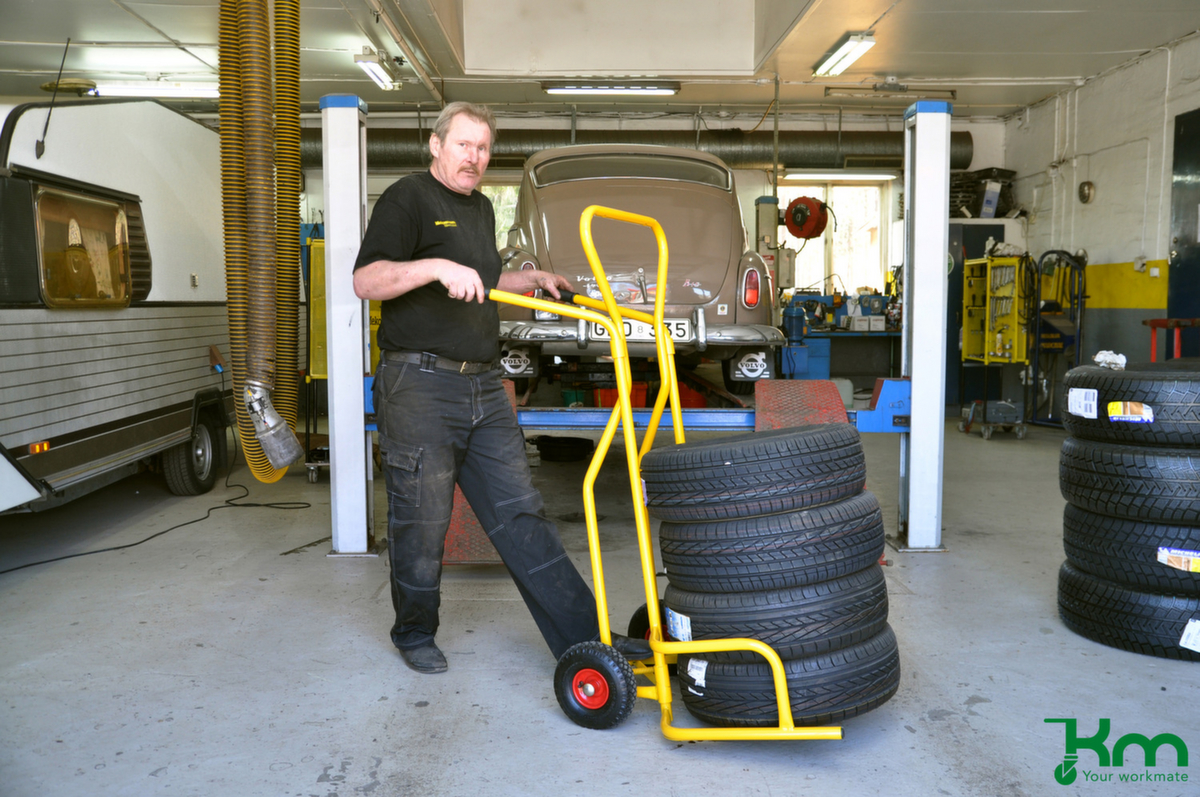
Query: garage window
[84,248]
[853,255]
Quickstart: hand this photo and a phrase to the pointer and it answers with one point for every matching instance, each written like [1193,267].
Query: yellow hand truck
[595,685]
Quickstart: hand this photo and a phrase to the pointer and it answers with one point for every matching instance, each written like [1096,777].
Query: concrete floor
[233,657]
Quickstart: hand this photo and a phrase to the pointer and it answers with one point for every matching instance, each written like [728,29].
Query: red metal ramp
[783,403]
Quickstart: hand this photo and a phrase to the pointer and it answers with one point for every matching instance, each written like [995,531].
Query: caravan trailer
[113,328]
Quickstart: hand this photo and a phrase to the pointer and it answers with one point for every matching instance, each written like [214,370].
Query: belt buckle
[462,369]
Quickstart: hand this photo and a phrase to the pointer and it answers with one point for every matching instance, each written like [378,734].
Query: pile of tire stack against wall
[771,536]
[1131,475]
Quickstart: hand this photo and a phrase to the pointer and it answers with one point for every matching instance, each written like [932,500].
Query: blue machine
[802,359]
[891,408]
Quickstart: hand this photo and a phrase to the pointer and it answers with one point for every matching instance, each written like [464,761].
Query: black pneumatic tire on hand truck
[779,551]
[595,686]
[826,687]
[795,622]
[754,474]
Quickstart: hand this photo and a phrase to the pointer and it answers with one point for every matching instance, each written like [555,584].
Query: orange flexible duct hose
[287,207]
[257,113]
[244,29]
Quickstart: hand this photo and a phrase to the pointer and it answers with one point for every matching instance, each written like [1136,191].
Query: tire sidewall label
[1083,402]
[1130,412]
[679,626]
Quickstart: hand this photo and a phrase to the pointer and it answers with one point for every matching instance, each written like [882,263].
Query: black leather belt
[429,361]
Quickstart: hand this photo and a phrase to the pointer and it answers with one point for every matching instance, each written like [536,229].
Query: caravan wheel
[191,467]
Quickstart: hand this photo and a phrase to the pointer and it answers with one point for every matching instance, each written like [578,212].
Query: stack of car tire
[771,536]
[1130,473]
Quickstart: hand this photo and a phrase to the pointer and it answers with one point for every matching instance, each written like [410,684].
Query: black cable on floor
[229,503]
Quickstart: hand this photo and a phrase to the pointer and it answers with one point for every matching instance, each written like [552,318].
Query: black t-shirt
[418,217]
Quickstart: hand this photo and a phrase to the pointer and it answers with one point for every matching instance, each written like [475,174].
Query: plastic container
[576,398]
[607,396]
[690,398]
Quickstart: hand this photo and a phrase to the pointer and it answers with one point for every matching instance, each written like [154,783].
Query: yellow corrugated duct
[287,206]
[248,199]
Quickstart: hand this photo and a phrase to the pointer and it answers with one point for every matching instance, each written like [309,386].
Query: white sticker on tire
[1190,638]
[1082,402]
[679,626]
[697,668]
[1187,561]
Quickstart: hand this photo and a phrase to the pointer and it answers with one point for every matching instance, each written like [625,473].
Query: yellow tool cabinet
[994,298]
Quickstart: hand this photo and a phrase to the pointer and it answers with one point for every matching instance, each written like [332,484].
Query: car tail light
[528,265]
[751,283]
[540,315]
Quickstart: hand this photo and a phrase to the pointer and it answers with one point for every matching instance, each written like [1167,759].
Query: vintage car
[719,296]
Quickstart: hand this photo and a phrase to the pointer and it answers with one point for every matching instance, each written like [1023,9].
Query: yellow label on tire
[1130,412]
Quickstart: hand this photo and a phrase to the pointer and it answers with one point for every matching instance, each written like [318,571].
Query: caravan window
[84,249]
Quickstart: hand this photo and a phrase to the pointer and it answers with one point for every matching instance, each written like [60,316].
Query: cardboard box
[860,323]
[878,323]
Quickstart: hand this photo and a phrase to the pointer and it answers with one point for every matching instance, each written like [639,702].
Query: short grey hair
[480,113]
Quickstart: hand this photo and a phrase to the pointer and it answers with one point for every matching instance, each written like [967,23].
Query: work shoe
[426,659]
[631,648]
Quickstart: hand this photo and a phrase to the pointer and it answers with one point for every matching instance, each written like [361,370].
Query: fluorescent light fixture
[378,67]
[155,88]
[883,92]
[846,176]
[849,50]
[657,88]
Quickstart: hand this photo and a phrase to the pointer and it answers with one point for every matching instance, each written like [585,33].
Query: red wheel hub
[590,688]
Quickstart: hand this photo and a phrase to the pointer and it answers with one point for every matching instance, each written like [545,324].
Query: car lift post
[926,197]
[344,147]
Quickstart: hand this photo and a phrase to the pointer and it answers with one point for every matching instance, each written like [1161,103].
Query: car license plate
[680,329]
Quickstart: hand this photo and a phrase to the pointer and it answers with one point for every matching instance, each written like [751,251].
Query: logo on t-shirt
[445,224]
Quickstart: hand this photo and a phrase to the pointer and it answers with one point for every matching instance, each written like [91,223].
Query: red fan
[806,217]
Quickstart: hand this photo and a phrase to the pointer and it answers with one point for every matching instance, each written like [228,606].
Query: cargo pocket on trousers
[403,470]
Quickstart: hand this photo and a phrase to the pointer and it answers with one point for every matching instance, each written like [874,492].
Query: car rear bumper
[572,337]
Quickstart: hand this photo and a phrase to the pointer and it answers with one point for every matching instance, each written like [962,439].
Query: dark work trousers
[437,427]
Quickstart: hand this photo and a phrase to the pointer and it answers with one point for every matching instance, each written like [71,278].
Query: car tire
[825,688]
[777,551]
[796,622]
[1120,617]
[191,468]
[1132,482]
[1128,551]
[1171,389]
[758,473]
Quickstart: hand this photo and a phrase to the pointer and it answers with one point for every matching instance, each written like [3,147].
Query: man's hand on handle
[525,281]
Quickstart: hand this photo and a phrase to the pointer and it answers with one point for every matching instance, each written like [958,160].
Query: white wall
[1115,131]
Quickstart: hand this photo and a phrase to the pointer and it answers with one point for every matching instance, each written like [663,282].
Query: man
[430,255]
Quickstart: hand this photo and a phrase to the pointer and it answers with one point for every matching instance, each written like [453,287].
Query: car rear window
[655,167]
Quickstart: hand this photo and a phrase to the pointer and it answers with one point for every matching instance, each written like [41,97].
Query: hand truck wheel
[639,626]
[595,685]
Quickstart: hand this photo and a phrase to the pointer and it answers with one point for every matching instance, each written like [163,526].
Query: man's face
[460,161]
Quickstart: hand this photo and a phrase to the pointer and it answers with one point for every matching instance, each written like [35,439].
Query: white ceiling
[998,55]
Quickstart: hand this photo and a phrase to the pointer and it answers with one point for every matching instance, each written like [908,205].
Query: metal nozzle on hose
[276,438]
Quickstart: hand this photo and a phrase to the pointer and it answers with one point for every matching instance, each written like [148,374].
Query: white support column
[927,195]
[343,130]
